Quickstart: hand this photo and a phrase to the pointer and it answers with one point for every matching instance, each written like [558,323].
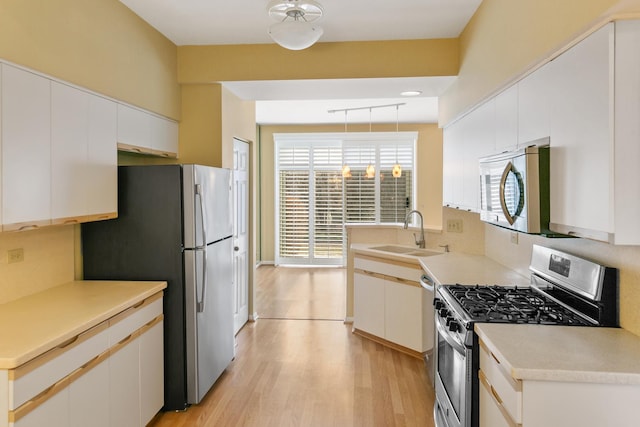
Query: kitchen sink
[403,250]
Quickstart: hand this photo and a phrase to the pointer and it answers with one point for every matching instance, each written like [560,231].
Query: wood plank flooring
[295,372]
[301,293]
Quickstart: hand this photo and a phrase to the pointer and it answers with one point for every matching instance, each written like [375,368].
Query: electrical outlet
[514,237]
[454,225]
[15,255]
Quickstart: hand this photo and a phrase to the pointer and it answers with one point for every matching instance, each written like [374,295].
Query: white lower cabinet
[151,372]
[124,385]
[89,398]
[509,402]
[368,303]
[389,303]
[403,307]
[89,382]
[54,412]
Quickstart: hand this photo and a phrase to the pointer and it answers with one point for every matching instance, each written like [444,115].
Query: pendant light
[370,172]
[346,170]
[397,169]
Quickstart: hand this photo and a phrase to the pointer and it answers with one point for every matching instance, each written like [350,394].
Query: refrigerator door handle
[203,248]
[203,220]
[200,304]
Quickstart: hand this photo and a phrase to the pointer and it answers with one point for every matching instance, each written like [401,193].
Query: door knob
[236,248]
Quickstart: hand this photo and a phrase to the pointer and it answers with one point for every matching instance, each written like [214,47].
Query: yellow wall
[405,58]
[428,173]
[238,121]
[97,44]
[506,38]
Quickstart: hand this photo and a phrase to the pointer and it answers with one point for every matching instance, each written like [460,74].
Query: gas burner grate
[512,304]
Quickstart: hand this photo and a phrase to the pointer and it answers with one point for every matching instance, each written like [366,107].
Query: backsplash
[48,261]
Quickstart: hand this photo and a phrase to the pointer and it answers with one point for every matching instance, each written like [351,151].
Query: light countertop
[565,353]
[37,323]
[466,269]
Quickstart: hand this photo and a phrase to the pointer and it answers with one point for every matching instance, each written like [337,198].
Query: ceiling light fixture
[370,171]
[411,93]
[296,29]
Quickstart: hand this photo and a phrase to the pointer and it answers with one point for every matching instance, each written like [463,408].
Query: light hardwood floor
[298,372]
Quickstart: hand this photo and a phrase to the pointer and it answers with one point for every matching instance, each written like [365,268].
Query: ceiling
[210,22]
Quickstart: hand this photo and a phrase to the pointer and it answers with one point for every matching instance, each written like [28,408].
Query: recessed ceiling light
[411,93]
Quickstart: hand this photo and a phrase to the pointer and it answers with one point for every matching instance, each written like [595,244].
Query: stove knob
[443,312]
[453,326]
[438,304]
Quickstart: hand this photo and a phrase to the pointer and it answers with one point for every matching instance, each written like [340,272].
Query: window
[314,200]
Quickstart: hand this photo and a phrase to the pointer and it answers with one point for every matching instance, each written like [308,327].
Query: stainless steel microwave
[514,188]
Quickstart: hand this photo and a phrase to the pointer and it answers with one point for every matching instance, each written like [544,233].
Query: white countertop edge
[563,375]
[619,371]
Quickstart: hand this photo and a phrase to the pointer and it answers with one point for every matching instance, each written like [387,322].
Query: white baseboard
[253,317]
[348,320]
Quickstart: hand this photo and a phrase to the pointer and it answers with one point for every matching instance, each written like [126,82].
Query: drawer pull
[68,342]
[139,304]
[495,394]
[125,339]
[28,227]
[495,358]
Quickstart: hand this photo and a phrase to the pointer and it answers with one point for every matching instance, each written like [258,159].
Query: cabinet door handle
[495,394]
[68,342]
[28,227]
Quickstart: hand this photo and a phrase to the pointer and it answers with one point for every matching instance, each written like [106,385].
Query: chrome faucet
[419,242]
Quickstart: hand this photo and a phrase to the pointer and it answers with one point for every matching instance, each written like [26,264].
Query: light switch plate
[454,225]
[514,237]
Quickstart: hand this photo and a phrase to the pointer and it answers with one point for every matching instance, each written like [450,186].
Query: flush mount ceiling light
[411,93]
[296,29]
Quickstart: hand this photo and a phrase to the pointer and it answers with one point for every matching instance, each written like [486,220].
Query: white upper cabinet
[84,156]
[164,137]
[534,105]
[595,179]
[134,128]
[465,142]
[58,151]
[506,120]
[626,155]
[69,131]
[26,149]
[580,136]
[587,101]
[142,132]
[102,159]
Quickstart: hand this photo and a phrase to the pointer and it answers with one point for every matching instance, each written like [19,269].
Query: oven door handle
[457,346]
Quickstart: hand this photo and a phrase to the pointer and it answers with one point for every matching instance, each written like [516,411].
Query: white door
[240,233]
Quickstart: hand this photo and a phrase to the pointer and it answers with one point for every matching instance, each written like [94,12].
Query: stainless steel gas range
[564,290]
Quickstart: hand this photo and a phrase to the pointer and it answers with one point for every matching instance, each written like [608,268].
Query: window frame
[311,140]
